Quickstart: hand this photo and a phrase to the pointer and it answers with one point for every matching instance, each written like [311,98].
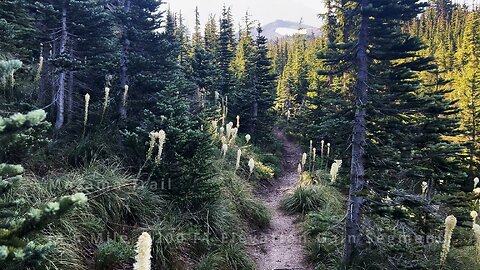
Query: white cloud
[289,31]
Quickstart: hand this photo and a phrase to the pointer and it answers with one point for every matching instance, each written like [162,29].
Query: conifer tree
[468,82]
[226,52]
[255,86]
[203,66]
[17,29]
[15,249]
[387,66]
[264,81]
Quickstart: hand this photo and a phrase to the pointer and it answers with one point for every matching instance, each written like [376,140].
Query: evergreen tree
[184,172]
[226,52]
[265,79]
[293,82]
[255,77]
[468,84]
[203,66]
[15,248]
[392,136]
[17,29]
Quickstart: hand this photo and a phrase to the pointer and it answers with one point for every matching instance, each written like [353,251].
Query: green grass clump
[303,199]
[323,206]
[239,192]
[116,204]
[112,254]
[228,256]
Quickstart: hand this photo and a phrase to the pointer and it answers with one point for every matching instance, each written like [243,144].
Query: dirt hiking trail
[281,246]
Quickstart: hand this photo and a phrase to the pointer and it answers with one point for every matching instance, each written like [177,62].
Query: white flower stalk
[304,159]
[474,216]
[314,158]
[163,118]
[334,170]
[310,154]
[144,252]
[40,64]
[248,138]
[238,121]
[322,144]
[223,139]
[221,131]
[233,135]
[300,172]
[214,126]
[476,231]
[224,149]
[125,95]
[450,223]
[229,128]
[106,98]
[85,117]
[251,165]
[476,191]
[106,101]
[475,182]
[226,107]
[328,150]
[424,188]
[239,156]
[161,142]
[153,139]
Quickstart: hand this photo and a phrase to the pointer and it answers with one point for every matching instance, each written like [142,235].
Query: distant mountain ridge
[282,28]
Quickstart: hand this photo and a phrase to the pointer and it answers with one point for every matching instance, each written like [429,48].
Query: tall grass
[303,199]
[116,203]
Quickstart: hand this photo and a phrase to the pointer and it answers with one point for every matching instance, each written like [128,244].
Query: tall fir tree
[226,52]
[393,136]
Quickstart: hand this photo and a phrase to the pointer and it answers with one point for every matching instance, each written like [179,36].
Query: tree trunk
[42,86]
[71,89]
[61,87]
[254,119]
[53,81]
[357,171]
[473,145]
[124,68]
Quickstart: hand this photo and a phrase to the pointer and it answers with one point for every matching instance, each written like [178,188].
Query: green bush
[240,193]
[116,202]
[113,253]
[228,256]
[323,206]
[303,199]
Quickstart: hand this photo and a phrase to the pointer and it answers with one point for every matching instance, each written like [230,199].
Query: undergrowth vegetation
[319,198]
[102,233]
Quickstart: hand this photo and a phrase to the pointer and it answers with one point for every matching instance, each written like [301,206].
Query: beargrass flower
[248,138]
[251,165]
[143,250]
[239,156]
[450,223]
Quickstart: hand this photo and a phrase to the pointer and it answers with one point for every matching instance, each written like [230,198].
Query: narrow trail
[281,246]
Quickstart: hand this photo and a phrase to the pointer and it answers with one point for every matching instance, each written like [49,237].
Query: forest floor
[281,246]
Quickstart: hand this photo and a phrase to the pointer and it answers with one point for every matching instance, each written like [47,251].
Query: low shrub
[112,254]
[303,199]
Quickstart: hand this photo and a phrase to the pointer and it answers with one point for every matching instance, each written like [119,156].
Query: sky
[264,11]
